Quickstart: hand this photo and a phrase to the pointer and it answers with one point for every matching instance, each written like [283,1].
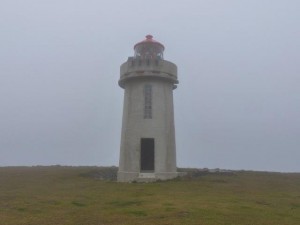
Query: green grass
[73,196]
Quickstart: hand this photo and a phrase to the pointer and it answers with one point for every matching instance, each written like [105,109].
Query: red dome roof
[149,39]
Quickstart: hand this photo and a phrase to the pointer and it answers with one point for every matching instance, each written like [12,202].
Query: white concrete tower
[148,150]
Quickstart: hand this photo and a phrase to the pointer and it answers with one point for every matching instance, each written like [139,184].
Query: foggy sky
[237,105]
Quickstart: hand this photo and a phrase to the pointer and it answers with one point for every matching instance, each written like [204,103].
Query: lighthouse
[148,149]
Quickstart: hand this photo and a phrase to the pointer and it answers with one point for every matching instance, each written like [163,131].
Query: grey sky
[237,105]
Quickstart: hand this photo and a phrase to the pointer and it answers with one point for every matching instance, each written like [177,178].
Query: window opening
[148,101]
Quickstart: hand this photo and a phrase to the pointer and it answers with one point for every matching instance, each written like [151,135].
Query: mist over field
[237,104]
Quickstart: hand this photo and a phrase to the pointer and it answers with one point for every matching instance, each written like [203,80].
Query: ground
[91,196]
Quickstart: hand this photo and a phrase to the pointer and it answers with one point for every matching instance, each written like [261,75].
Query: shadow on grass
[121,203]
[79,204]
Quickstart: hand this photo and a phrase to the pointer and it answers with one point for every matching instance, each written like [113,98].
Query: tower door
[147,155]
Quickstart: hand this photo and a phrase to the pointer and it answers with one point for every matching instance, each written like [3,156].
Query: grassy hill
[90,196]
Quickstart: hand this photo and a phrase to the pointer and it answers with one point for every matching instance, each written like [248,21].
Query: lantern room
[149,49]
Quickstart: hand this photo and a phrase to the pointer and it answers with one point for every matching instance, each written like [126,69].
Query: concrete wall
[135,127]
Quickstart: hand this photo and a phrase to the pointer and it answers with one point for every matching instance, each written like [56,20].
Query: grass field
[76,196]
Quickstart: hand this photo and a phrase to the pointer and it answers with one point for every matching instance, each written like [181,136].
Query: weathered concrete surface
[162,76]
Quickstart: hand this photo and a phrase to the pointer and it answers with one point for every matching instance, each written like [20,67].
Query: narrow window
[147,101]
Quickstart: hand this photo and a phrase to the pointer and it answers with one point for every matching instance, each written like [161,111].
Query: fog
[237,104]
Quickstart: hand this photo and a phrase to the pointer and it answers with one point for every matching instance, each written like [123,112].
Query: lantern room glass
[149,49]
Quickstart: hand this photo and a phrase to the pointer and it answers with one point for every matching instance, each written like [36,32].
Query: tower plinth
[148,150]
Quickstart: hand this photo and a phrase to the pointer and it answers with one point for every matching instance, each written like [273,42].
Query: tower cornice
[136,68]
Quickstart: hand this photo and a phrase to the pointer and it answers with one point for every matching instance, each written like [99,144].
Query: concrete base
[166,176]
[127,176]
[145,177]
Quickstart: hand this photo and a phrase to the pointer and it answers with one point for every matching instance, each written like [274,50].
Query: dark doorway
[147,154]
